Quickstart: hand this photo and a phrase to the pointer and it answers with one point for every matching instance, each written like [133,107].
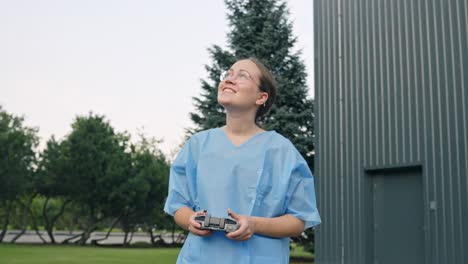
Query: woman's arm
[281,226]
[185,218]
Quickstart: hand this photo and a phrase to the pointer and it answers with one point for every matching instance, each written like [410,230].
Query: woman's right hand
[194,226]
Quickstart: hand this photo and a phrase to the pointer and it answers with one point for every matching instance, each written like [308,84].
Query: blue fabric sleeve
[301,192]
[179,194]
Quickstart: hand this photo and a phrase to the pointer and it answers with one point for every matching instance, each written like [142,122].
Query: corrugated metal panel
[391,91]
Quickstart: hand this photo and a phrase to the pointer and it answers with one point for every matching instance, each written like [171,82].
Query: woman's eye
[243,76]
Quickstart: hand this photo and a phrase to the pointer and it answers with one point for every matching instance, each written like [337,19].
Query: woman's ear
[262,98]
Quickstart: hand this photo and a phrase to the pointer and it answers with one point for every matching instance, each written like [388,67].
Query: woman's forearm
[182,217]
[281,226]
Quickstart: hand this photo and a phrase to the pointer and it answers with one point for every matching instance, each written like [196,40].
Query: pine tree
[261,29]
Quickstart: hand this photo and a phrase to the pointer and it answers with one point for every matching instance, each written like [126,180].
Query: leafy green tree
[138,201]
[152,169]
[17,159]
[99,165]
[54,183]
[261,29]
[124,199]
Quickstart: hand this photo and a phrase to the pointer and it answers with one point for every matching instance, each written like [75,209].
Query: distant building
[391,156]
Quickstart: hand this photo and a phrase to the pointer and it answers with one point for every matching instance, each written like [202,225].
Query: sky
[137,62]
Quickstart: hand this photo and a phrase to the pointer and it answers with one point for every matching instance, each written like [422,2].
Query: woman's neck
[242,125]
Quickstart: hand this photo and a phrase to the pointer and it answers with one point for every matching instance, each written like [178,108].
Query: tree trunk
[26,208]
[181,238]
[9,204]
[125,238]
[84,237]
[88,231]
[23,230]
[60,213]
[152,236]
[131,238]
[90,225]
[95,241]
[39,234]
[157,240]
[50,222]
[173,232]
[71,238]
[46,221]
[35,227]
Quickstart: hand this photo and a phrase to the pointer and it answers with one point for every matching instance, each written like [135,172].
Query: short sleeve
[179,194]
[301,192]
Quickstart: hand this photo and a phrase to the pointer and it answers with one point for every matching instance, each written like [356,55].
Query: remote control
[217,224]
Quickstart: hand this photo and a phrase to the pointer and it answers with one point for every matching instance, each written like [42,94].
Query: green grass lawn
[49,254]
[32,254]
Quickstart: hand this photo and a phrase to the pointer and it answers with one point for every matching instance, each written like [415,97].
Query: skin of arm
[185,218]
[281,226]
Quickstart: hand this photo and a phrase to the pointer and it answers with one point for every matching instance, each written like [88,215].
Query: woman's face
[239,89]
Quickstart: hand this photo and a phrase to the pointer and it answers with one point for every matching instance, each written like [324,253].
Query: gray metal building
[391,104]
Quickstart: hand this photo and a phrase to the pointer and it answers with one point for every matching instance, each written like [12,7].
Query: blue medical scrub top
[265,176]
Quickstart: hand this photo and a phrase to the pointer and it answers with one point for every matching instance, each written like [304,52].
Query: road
[114,238]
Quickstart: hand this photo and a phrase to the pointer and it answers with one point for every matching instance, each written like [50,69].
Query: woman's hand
[246,229]
[194,226]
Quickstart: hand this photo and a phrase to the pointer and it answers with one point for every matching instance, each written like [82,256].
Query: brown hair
[267,85]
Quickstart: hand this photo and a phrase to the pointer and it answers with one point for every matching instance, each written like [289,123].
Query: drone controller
[217,224]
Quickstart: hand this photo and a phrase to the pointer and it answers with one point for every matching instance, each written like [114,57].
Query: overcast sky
[138,62]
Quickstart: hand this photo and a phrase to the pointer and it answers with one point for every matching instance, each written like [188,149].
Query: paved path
[114,238]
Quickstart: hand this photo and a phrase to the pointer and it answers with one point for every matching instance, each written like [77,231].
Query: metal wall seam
[451,112]
[383,98]
[371,69]
[388,81]
[432,168]
[408,87]
[420,75]
[463,73]
[456,169]
[319,178]
[399,101]
[340,131]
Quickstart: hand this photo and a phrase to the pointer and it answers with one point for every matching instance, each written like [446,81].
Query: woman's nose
[230,78]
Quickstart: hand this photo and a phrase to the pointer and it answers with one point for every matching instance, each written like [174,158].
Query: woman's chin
[224,102]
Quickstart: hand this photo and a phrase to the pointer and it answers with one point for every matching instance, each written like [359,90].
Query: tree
[261,29]
[54,183]
[99,165]
[17,159]
[152,169]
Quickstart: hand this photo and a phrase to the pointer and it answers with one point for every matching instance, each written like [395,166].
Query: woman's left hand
[246,229]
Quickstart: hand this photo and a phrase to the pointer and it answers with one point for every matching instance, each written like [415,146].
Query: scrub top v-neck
[243,143]
[264,176]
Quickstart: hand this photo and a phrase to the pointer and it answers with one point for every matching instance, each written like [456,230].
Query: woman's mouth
[229,90]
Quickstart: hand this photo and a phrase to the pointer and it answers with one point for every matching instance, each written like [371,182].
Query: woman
[257,177]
